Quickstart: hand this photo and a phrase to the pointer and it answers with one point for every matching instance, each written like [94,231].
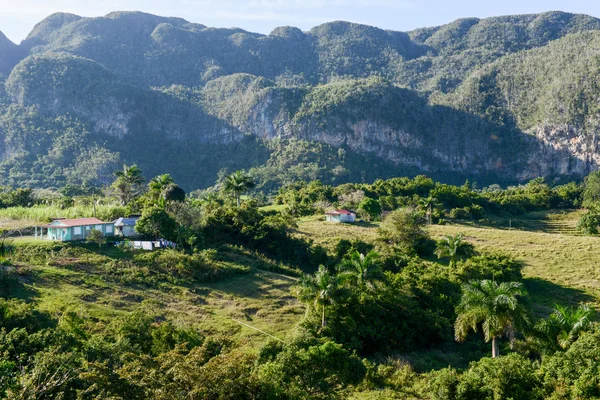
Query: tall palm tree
[427,203]
[361,270]
[238,183]
[454,248]
[495,307]
[563,327]
[319,289]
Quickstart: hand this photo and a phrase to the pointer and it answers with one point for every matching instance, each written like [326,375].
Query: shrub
[507,377]
[491,266]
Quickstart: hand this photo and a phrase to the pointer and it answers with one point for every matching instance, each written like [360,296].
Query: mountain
[500,99]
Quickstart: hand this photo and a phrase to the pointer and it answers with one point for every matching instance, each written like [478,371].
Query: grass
[552,262]
[258,298]
[17,216]
[560,266]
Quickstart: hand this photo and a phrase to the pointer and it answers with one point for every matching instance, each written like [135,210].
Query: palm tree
[160,182]
[454,248]
[563,326]
[157,186]
[495,307]
[319,290]
[238,183]
[362,270]
[427,203]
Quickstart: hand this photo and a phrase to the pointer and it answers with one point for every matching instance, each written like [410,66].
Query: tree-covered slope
[505,98]
[551,92]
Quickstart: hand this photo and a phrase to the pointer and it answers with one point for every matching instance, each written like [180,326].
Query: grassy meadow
[560,265]
[76,277]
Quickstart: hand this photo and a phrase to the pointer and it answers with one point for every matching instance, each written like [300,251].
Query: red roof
[75,222]
[346,212]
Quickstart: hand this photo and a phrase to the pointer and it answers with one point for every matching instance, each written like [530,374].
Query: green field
[560,266]
[255,297]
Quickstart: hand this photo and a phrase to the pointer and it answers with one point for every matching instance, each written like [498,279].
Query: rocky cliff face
[507,98]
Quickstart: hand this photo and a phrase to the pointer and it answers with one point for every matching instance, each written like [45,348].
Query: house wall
[78,232]
[333,218]
[126,231]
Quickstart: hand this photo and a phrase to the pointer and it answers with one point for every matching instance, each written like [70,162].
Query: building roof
[126,221]
[337,212]
[74,222]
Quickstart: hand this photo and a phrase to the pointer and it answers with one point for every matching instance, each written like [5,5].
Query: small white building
[126,227]
[340,216]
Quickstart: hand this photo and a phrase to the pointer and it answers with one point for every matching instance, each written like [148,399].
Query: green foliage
[371,207]
[454,248]
[128,183]
[360,271]
[156,223]
[319,290]
[404,228]
[590,222]
[491,266]
[563,327]
[496,307]
[96,236]
[575,373]
[238,183]
[506,377]
[314,371]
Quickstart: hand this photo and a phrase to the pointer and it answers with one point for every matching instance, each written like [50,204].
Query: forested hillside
[502,99]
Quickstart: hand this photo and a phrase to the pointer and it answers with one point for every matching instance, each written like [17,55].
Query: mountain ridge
[425,101]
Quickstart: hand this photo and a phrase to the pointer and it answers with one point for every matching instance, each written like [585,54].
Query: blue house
[74,229]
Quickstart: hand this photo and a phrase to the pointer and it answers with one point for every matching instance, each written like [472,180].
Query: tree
[591,189]
[564,326]
[156,189]
[494,306]
[404,228]
[156,223]
[172,193]
[238,183]
[590,222]
[371,207]
[128,183]
[426,204]
[96,236]
[454,248]
[361,270]
[319,290]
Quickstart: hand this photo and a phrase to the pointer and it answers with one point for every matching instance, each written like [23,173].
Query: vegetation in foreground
[270,302]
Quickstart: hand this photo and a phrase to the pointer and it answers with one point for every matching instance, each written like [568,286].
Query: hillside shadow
[545,294]
[16,284]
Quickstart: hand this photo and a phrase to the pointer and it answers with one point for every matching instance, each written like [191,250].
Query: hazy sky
[17,17]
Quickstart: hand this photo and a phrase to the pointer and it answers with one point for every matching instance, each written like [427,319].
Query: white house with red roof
[75,229]
[340,216]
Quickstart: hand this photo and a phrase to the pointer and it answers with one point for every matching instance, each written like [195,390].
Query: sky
[17,17]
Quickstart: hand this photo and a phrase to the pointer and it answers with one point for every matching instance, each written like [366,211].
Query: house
[74,229]
[340,216]
[126,226]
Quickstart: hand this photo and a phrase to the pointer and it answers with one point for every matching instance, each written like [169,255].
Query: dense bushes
[427,196]
[507,377]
